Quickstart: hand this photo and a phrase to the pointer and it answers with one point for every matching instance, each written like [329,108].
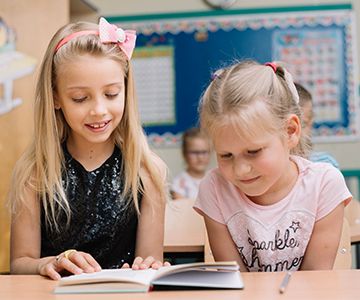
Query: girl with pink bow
[88,193]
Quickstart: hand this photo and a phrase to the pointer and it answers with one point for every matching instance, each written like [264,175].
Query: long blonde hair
[40,166]
[253,98]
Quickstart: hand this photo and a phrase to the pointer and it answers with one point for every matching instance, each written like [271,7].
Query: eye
[227,155]
[253,152]
[79,99]
[111,95]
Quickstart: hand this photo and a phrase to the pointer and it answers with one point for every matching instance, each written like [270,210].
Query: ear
[293,130]
[56,101]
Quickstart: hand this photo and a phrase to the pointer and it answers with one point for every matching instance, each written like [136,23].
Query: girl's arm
[25,238]
[324,242]
[221,244]
[150,232]
[25,243]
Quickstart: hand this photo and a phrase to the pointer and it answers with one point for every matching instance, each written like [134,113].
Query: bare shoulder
[159,164]
[155,174]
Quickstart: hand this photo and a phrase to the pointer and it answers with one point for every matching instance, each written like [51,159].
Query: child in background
[265,205]
[87,193]
[196,152]
[306,105]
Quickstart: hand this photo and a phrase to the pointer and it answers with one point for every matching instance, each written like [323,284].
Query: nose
[241,167]
[98,107]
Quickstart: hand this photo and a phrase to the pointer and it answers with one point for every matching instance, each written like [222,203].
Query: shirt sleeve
[208,201]
[333,192]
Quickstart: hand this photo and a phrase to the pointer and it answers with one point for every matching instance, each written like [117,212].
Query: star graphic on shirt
[295,226]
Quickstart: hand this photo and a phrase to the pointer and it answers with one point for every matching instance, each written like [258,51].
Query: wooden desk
[303,285]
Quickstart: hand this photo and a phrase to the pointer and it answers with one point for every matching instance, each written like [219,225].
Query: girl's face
[91,95]
[197,154]
[260,167]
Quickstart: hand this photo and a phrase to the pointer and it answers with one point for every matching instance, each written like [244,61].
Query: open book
[224,275]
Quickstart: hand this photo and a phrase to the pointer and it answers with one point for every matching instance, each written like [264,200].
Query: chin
[251,193]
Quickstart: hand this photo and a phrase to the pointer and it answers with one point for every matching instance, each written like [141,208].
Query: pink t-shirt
[274,237]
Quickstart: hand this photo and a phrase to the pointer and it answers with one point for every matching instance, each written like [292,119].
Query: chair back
[184,227]
[352,213]
[343,256]
[208,256]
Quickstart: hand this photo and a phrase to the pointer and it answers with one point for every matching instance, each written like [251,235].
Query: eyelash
[250,152]
[79,100]
[253,152]
[111,96]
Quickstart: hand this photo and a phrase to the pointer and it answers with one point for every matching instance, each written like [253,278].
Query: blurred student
[196,152]
[306,105]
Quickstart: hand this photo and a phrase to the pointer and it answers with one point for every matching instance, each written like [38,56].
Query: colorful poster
[316,59]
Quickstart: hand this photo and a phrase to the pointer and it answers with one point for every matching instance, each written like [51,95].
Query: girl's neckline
[115,153]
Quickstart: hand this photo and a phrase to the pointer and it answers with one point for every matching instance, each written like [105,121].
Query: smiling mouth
[99,125]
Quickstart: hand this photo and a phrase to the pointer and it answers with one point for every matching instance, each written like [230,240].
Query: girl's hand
[143,264]
[76,263]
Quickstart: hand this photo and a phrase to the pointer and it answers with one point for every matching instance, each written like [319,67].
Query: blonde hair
[253,98]
[40,166]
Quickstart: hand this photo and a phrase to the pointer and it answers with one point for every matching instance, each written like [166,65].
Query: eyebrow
[85,87]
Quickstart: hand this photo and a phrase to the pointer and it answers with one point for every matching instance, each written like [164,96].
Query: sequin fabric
[100,222]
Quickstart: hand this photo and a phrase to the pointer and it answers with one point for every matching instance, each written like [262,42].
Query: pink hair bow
[109,33]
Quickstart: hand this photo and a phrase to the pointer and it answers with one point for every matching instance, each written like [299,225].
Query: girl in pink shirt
[265,205]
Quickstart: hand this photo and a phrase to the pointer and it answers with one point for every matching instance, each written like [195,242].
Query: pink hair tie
[271,65]
[74,35]
[108,33]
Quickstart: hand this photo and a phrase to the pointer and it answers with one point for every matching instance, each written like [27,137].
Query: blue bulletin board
[176,54]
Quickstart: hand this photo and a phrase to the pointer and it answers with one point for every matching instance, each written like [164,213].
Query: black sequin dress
[100,223]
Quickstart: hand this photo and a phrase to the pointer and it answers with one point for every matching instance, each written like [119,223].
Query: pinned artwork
[13,65]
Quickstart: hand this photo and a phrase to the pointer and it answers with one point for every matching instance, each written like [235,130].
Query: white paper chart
[155,84]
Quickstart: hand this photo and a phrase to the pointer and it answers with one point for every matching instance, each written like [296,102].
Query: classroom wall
[347,154]
[34,22]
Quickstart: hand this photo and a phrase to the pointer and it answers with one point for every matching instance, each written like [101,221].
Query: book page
[203,278]
[120,275]
[164,271]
